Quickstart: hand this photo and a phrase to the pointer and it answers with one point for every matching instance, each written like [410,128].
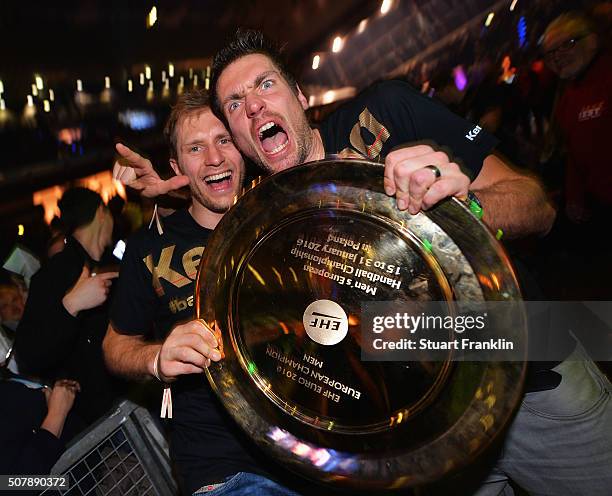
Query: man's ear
[302,98]
[175,167]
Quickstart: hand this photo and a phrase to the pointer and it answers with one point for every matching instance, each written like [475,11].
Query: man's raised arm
[511,201]
[420,177]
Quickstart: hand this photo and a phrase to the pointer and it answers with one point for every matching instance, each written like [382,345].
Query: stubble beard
[214,206]
[304,144]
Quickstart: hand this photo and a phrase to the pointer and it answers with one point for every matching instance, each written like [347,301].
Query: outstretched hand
[137,172]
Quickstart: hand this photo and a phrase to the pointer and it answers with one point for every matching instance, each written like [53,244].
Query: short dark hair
[78,208]
[192,101]
[247,42]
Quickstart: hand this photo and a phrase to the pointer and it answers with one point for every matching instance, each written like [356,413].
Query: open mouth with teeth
[273,138]
[219,181]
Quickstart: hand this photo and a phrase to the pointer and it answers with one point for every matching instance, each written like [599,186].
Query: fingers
[415,185]
[108,275]
[457,185]
[70,384]
[129,166]
[209,334]
[153,188]
[123,173]
[395,158]
[175,182]
[188,349]
[128,154]
[104,279]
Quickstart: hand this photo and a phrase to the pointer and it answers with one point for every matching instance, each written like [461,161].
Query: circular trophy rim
[355,186]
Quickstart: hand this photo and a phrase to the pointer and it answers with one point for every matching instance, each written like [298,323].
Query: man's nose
[214,157]
[254,105]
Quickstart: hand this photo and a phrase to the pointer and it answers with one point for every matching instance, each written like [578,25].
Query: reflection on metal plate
[284,278]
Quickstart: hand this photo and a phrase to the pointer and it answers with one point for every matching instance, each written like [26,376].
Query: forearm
[517,206]
[54,423]
[129,356]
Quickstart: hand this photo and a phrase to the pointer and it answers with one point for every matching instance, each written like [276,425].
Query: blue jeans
[560,442]
[245,484]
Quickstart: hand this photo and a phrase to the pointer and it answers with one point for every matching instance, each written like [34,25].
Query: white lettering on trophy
[312,360]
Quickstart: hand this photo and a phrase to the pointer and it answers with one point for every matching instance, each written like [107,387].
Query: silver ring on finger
[435,170]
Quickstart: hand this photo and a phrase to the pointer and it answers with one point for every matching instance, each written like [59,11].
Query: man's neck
[203,216]
[88,237]
[317,150]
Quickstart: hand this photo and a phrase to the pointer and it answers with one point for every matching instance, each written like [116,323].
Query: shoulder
[177,230]
[391,93]
[70,257]
[385,100]
[148,235]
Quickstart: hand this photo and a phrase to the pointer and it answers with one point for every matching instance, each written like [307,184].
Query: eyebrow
[256,82]
[198,140]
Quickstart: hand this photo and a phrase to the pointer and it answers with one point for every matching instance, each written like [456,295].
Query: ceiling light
[489,19]
[315,62]
[337,45]
[385,6]
[152,17]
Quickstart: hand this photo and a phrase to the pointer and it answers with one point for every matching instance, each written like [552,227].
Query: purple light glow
[460,78]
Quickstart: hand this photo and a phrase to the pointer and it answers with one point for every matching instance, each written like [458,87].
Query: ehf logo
[325,322]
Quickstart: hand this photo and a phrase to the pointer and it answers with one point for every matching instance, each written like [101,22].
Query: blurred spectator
[31,425]
[571,49]
[12,302]
[65,318]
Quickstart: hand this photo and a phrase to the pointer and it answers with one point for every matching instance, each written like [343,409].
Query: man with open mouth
[155,293]
[262,105]
[258,98]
